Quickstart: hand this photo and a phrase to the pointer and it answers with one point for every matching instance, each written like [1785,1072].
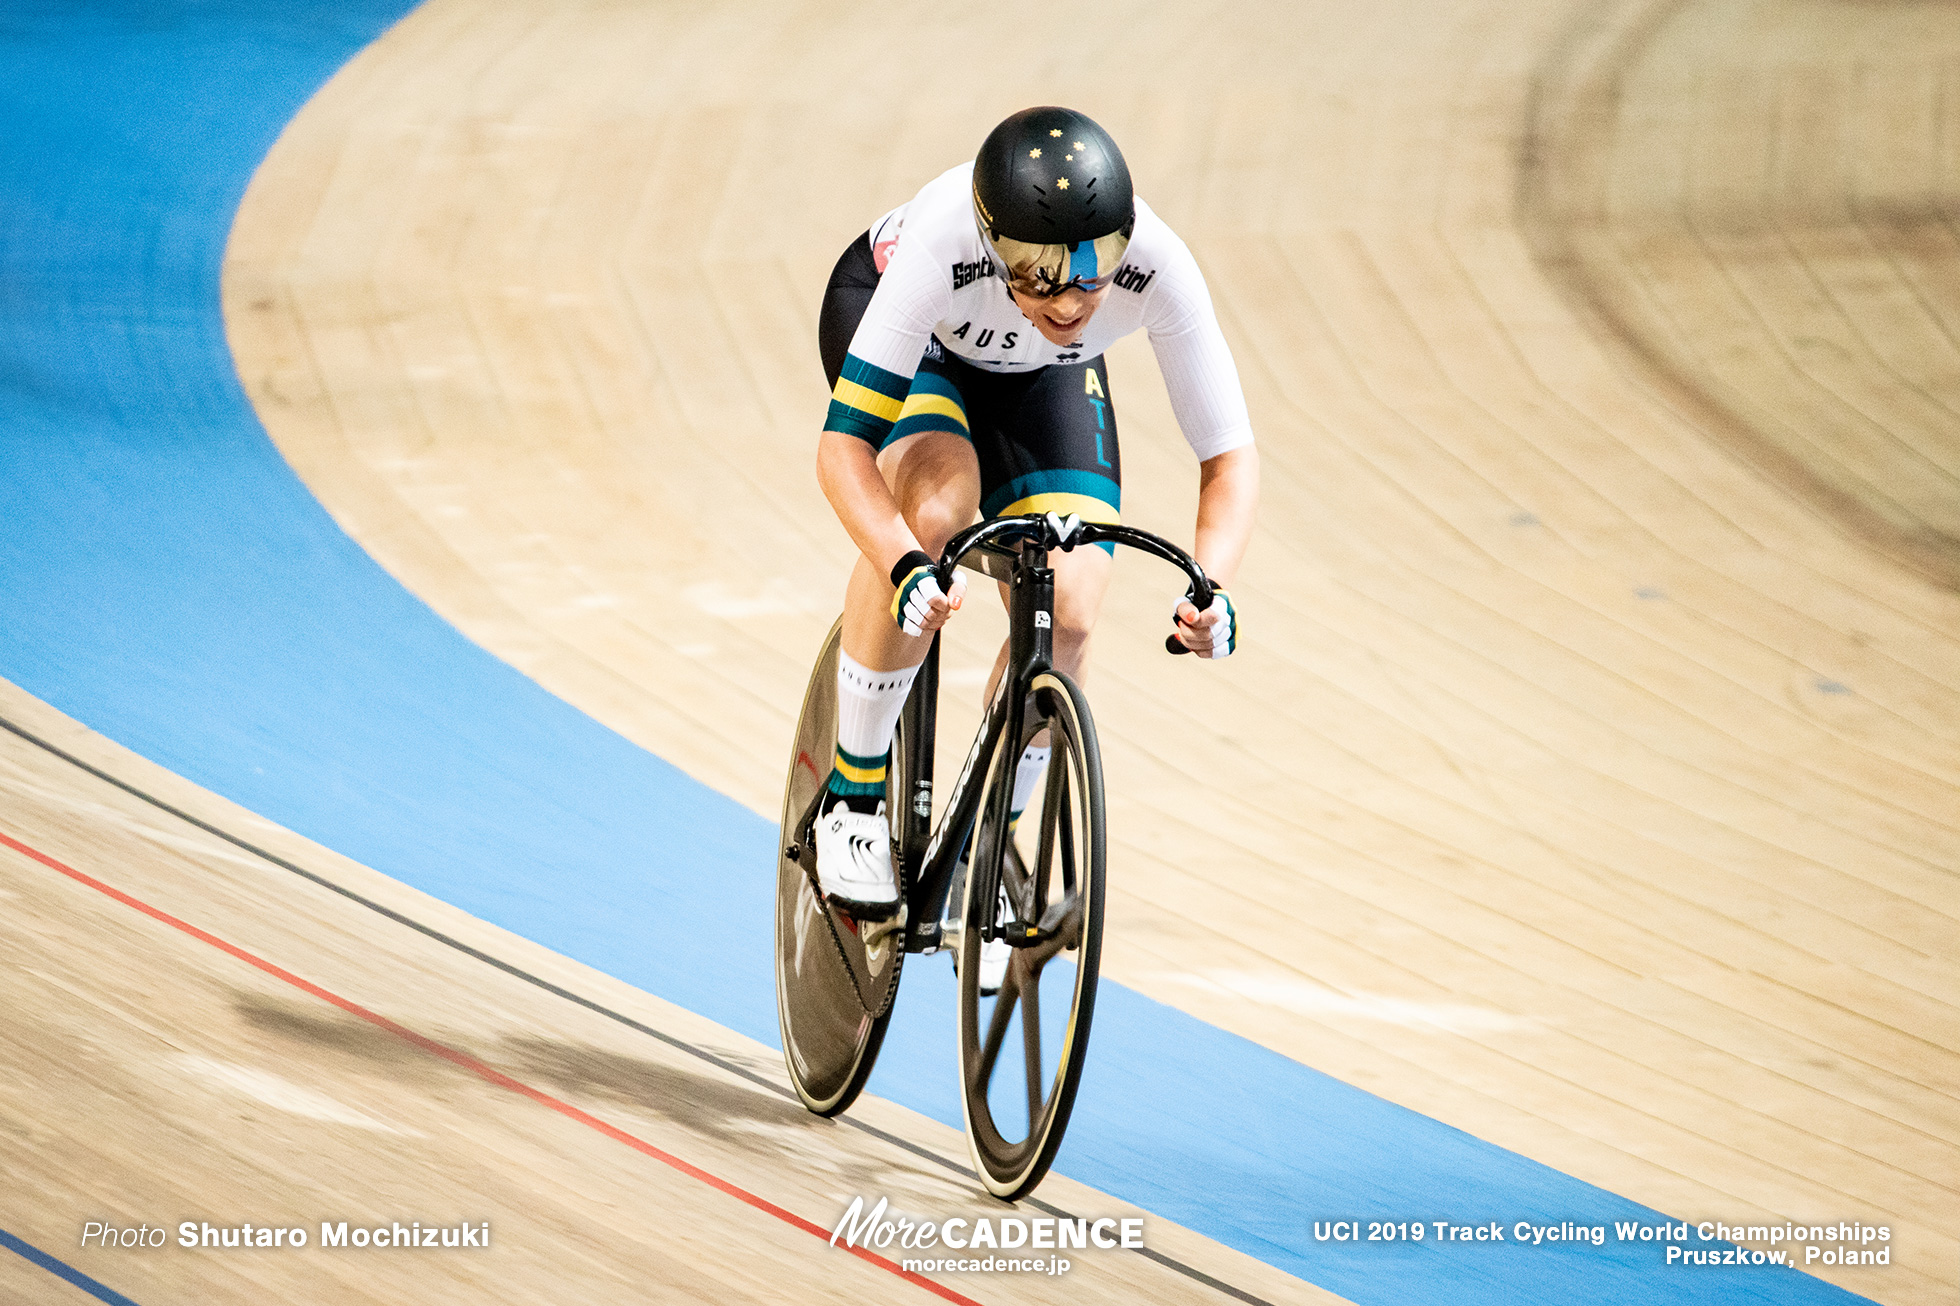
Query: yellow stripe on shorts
[867,400]
[922,402]
[1087,506]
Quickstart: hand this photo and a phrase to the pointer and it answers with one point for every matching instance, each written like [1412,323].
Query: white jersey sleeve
[1199,373]
[911,299]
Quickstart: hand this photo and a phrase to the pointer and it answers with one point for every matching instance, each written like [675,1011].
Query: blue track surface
[168,581]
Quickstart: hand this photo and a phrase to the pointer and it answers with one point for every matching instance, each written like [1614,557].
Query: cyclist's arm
[1199,373]
[1210,406]
[1228,498]
[865,403]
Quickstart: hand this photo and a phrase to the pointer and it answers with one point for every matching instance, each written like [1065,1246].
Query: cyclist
[963,337]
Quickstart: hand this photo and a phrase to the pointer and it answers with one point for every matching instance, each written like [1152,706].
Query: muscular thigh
[928,457]
[936,481]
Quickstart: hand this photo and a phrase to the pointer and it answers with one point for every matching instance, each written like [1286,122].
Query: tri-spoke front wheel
[1039,889]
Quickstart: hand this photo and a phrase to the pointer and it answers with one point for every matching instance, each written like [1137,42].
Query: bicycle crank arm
[803,850]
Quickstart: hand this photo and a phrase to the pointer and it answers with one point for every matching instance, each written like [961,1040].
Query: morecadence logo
[980,1239]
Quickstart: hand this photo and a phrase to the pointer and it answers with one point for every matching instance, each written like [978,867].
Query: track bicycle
[971,880]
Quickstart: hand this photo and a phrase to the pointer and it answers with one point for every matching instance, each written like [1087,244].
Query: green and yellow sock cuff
[853,775]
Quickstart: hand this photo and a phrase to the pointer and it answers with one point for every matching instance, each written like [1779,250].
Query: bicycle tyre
[834,993]
[1069,842]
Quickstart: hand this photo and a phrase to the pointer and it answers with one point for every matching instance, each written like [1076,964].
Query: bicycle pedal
[876,933]
[865,913]
[1058,919]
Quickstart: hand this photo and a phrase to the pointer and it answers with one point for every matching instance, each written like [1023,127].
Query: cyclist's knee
[937,517]
[1072,633]
[937,484]
[1078,602]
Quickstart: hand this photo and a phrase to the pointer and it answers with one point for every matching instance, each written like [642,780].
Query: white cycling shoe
[854,862]
[993,966]
[994,956]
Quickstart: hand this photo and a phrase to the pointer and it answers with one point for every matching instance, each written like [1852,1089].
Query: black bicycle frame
[927,859]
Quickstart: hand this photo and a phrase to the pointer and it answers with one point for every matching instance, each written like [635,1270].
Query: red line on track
[483,1071]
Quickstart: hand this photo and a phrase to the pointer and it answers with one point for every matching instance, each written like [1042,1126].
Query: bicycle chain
[844,957]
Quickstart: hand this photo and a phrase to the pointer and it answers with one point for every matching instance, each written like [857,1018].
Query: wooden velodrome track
[1589,777]
[1588,780]
[257,1047]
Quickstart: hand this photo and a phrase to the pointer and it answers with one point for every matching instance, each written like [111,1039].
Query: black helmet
[1052,195]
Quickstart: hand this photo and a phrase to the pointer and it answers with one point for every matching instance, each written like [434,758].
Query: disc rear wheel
[836,977]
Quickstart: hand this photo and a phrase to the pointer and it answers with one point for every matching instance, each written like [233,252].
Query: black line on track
[62,1270]
[678,1044]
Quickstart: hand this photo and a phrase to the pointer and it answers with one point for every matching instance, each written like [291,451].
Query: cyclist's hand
[919,605]
[1213,633]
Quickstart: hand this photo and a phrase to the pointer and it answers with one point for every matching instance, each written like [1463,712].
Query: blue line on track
[100,1292]
[169,582]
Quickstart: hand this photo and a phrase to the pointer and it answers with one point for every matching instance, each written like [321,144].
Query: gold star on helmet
[1034,154]
[1061,183]
[1054,131]
[1069,158]
[1080,146]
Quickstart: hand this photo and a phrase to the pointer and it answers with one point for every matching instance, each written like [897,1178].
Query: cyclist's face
[1062,317]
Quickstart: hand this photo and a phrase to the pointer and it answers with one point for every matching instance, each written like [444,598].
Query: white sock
[1027,774]
[868,705]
